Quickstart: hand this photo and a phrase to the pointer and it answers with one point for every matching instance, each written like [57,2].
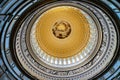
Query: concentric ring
[43,66]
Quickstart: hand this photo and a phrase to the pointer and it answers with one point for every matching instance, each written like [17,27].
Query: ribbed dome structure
[59,40]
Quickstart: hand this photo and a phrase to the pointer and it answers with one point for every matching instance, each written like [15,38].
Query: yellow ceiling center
[62,31]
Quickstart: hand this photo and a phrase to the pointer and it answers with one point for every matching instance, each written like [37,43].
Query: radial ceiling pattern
[59,40]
